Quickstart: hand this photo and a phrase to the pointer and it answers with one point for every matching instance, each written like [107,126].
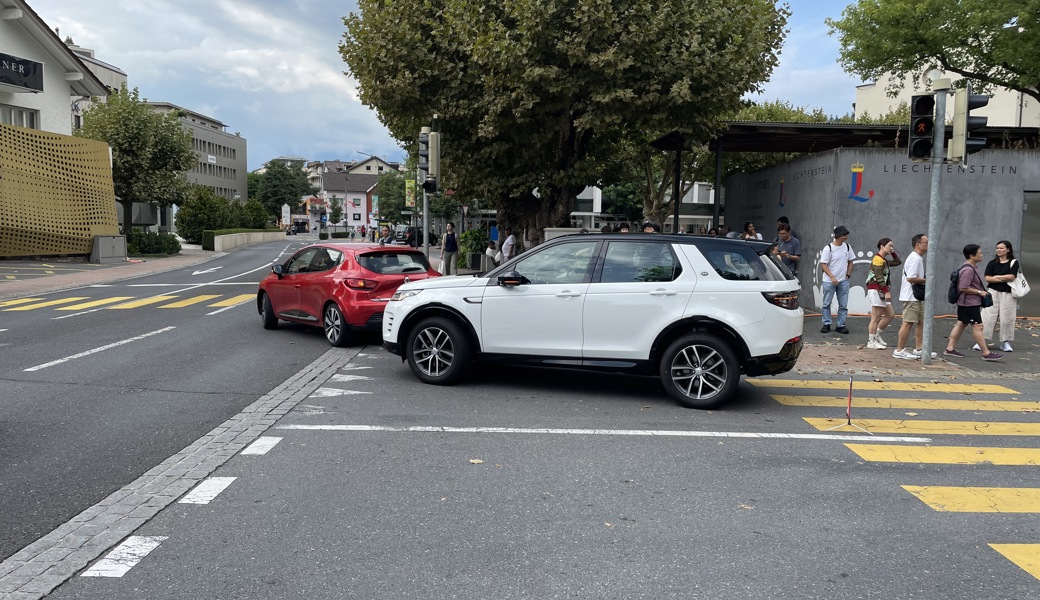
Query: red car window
[394,263]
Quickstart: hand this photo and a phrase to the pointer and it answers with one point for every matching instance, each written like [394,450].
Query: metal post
[676,189]
[939,86]
[718,187]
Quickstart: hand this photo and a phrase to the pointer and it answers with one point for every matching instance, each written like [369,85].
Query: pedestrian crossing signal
[922,126]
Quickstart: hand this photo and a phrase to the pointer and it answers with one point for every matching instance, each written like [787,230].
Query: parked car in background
[338,287]
[696,312]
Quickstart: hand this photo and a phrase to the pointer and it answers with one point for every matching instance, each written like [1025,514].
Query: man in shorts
[913,309]
[969,305]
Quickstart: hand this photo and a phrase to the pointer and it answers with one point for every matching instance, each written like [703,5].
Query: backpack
[954,292]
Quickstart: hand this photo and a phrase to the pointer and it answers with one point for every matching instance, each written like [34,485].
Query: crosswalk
[74,304]
[979,399]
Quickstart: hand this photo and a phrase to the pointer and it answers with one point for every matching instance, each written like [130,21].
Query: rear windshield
[743,264]
[390,263]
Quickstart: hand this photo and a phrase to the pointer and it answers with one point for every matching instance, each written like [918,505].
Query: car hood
[448,281]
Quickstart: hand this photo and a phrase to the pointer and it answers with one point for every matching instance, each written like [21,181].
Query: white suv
[695,311]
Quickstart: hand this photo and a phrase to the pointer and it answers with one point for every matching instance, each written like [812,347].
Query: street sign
[286,216]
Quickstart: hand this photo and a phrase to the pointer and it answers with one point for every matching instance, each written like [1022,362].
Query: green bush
[473,241]
[340,235]
[139,243]
[324,235]
[204,210]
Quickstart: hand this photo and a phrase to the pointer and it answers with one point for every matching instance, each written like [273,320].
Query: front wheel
[700,371]
[335,325]
[438,351]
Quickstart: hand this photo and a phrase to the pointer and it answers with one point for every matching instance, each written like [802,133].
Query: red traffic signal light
[922,126]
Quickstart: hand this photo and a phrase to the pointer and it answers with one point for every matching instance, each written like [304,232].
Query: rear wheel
[335,325]
[267,313]
[438,351]
[700,371]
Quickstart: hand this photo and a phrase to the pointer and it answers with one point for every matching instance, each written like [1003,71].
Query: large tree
[533,94]
[284,183]
[151,151]
[994,42]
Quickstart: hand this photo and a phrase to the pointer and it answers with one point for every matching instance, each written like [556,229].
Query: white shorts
[875,299]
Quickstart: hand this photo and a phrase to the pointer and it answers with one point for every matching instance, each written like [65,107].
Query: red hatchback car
[338,287]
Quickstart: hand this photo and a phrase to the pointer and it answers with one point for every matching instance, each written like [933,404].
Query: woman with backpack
[970,296]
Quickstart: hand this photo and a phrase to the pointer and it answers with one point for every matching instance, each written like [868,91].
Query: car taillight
[360,284]
[788,300]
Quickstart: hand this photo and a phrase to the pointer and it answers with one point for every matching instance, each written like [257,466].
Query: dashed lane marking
[910,426]
[261,446]
[100,349]
[948,455]
[913,403]
[810,384]
[978,499]
[1026,556]
[118,562]
[205,492]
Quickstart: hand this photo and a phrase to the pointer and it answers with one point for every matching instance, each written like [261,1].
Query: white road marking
[2,330]
[101,349]
[210,270]
[628,432]
[344,378]
[220,310]
[119,561]
[332,392]
[147,285]
[205,492]
[353,367]
[262,445]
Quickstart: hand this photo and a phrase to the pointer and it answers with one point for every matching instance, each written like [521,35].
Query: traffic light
[922,125]
[424,152]
[435,154]
[962,143]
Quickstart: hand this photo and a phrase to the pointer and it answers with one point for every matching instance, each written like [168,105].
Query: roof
[348,182]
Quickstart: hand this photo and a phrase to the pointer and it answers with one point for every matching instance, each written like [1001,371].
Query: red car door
[285,291]
[316,285]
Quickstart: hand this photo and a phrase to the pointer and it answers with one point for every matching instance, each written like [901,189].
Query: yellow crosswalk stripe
[1026,556]
[810,384]
[190,301]
[948,455]
[19,301]
[234,300]
[910,426]
[45,304]
[912,403]
[142,302]
[978,499]
[93,303]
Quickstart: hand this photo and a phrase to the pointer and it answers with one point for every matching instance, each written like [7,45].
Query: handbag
[987,301]
[918,289]
[1019,285]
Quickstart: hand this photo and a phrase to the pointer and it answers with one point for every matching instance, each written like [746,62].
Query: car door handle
[663,293]
[568,294]
[297,286]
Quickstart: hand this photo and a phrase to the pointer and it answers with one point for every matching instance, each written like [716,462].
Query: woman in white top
[750,233]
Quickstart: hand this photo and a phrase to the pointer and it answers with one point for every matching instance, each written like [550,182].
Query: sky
[271,69]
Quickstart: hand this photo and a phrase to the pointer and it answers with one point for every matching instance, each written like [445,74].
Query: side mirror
[277,270]
[512,279]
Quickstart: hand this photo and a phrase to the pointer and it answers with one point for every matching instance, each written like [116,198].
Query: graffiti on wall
[857,184]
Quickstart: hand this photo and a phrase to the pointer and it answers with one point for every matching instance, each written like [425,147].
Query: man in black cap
[836,263]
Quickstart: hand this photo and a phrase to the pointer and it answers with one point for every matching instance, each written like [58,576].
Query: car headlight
[402,294]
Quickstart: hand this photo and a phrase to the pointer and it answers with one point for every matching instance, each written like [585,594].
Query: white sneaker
[1006,347]
[880,342]
[976,348]
[873,345]
[904,354]
[918,352]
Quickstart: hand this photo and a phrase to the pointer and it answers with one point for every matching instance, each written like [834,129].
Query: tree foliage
[283,183]
[151,151]
[201,211]
[994,42]
[541,95]
[391,197]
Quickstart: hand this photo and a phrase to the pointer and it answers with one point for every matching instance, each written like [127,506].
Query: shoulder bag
[1019,285]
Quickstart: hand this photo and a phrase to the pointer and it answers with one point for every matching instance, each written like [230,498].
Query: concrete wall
[980,203]
[234,240]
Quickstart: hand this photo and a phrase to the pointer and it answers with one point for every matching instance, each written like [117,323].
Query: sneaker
[919,352]
[825,329]
[992,356]
[1006,347]
[904,354]
[976,348]
[842,329]
[880,342]
[954,352]
[873,345]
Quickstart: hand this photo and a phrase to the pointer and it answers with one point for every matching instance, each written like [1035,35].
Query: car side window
[639,262]
[565,263]
[301,263]
[325,259]
[735,265]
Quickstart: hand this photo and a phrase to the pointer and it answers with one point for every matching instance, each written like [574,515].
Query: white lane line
[220,310]
[629,432]
[262,445]
[344,378]
[333,392]
[353,367]
[101,349]
[205,492]
[2,330]
[119,561]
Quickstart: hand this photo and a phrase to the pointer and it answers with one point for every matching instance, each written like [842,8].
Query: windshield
[394,263]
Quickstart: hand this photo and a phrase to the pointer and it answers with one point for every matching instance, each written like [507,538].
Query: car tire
[335,325]
[699,371]
[267,313]
[438,351]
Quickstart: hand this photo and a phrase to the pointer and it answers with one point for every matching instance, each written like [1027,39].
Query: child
[491,253]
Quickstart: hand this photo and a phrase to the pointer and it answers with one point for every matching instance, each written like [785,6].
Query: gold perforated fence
[56,193]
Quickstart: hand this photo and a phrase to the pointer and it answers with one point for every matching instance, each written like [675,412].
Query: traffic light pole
[940,86]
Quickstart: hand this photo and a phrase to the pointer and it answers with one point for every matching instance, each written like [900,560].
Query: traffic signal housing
[922,127]
[424,152]
[962,143]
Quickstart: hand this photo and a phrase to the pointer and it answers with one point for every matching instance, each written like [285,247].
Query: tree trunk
[128,216]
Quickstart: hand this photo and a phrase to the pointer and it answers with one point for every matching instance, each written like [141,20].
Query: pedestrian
[386,237]
[713,232]
[1003,269]
[788,248]
[785,221]
[449,250]
[750,233]
[879,292]
[836,262]
[911,294]
[492,253]
[353,232]
[509,245]
[651,227]
[363,231]
[969,304]
[624,227]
